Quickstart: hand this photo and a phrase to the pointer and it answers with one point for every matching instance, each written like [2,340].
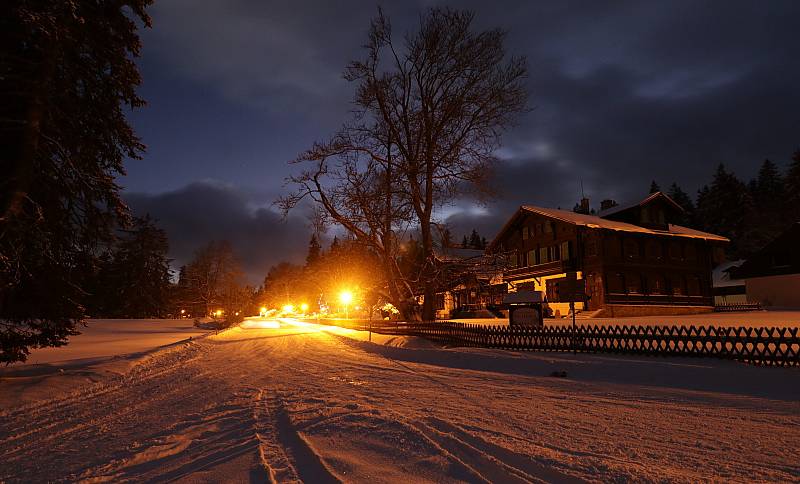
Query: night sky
[622,93]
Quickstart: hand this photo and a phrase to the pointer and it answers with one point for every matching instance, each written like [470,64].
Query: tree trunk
[429,286]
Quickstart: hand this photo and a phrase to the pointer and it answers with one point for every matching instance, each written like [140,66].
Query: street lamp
[346,297]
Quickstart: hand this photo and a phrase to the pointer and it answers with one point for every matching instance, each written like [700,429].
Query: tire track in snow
[287,454]
[65,406]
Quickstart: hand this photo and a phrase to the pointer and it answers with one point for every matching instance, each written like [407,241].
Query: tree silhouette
[429,114]
[314,249]
[67,80]
[654,187]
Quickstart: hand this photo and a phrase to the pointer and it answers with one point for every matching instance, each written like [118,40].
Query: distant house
[632,259]
[472,286]
[728,288]
[772,275]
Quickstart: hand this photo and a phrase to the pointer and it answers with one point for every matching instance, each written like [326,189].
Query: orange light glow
[289,308]
[304,307]
[346,297]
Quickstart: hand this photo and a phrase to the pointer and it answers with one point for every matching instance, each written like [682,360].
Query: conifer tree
[723,208]
[685,201]
[654,187]
[474,240]
[141,271]
[314,249]
[792,184]
[67,81]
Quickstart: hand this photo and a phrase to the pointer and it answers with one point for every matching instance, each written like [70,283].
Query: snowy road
[301,402]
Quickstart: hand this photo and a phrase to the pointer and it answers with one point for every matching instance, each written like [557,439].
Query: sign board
[529,315]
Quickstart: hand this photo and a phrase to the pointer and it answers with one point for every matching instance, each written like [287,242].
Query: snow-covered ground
[291,401]
[105,347]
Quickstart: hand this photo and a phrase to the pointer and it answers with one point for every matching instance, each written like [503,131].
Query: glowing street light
[288,308]
[304,307]
[346,297]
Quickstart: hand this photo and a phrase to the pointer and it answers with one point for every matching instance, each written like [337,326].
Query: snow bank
[105,348]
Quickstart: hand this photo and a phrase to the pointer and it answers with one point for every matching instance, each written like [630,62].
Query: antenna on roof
[582,195]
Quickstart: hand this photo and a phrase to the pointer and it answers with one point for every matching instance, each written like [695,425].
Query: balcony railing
[659,299]
[538,270]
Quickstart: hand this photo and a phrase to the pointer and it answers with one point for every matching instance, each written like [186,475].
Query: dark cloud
[623,92]
[204,211]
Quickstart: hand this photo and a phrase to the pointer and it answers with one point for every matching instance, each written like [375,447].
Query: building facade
[772,275]
[631,259]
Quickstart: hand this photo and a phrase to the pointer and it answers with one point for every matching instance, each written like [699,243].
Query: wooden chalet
[471,286]
[632,259]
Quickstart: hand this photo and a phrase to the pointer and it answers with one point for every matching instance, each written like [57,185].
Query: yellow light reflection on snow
[260,324]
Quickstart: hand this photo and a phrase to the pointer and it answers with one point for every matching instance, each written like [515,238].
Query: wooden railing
[755,306]
[761,346]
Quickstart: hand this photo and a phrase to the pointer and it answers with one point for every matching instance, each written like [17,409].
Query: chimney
[584,205]
[607,203]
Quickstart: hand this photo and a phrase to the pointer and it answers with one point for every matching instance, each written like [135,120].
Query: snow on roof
[595,222]
[721,275]
[626,206]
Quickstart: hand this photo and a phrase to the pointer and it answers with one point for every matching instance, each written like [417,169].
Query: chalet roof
[593,221]
[721,275]
[626,206]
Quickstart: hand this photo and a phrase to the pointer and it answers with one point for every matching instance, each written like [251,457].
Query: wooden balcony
[540,270]
[659,300]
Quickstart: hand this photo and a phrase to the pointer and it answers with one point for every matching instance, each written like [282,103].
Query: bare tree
[429,115]
[214,280]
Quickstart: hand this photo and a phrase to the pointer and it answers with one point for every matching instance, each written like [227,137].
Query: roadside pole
[572,308]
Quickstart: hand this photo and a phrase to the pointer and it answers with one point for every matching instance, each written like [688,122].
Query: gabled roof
[721,275]
[593,221]
[650,198]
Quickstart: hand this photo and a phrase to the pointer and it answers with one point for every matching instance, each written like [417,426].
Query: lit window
[565,250]
[531,257]
[543,256]
[524,233]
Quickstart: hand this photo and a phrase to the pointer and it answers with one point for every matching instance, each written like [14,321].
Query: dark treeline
[131,277]
[473,241]
[749,213]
